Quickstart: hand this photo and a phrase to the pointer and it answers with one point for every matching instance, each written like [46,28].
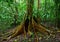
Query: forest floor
[21,38]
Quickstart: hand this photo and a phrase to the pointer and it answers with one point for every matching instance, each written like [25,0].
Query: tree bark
[57,12]
[29,23]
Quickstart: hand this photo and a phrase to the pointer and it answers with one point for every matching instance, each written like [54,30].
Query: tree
[57,12]
[29,24]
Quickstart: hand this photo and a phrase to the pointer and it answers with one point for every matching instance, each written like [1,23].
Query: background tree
[57,11]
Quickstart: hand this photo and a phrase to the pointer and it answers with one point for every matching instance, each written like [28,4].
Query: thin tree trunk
[57,12]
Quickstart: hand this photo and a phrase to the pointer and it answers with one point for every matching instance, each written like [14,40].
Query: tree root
[20,29]
[17,31]
[40,27]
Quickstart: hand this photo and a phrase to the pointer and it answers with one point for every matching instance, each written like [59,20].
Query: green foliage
[7,11]
[5,17]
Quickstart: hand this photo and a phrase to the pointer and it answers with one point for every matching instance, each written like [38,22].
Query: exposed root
[18,30]
[40,28]
[36,39]
[25,28]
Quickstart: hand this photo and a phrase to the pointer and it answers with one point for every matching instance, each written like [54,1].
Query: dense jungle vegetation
[24,20]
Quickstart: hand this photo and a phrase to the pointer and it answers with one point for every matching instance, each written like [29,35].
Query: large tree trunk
[29,23]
